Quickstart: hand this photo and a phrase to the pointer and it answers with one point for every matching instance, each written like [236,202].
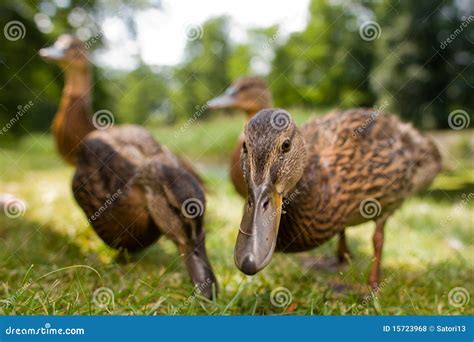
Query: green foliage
[24,77]
[239,61]
[143,96]
[411,67]
[326,64]
[204,71]
[421,75]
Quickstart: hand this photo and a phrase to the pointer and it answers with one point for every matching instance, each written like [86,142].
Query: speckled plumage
[307,185]
[387,160]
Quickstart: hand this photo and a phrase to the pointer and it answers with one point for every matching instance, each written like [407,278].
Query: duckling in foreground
[132,189]
[251,94]
[306,185]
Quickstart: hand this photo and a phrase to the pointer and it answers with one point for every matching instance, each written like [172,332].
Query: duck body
[306,185]
[132,189]
[107,185]
[360,167]
[235,171]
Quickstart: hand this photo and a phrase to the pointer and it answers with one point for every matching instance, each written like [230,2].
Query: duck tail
[428,160]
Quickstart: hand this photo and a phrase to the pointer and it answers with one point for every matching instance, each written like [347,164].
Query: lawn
[51,261]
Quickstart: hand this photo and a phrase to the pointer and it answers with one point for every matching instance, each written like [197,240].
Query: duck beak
[201,273]
[52,53]
[258,232]
[221,102]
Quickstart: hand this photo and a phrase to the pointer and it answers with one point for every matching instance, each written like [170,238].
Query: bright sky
[162,34]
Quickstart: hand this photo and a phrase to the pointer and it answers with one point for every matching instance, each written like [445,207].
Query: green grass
[51,261]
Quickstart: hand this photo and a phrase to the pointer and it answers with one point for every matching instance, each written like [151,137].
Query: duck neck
[72,120]
[77,82]
[250,113]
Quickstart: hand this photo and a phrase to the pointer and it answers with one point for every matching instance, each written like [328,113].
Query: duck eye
[244,147]
[286,145]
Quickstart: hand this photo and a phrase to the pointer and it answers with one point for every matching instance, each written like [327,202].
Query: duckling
[251,94]
[308,184]
[132,189]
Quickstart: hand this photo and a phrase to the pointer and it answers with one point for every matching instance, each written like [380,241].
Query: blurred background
[157,60]
[157,63]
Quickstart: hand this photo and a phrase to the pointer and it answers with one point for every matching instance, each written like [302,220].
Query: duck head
[273,159]
[68,51]
[249,94]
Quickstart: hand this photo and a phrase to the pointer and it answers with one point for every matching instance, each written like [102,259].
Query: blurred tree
[26,27]
[204,72]
[419,73]
[28,87]
[239,61]
[328,63]
[143,96]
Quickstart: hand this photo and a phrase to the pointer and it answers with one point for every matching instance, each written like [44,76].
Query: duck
[307,184]
[251,94]
[132,189]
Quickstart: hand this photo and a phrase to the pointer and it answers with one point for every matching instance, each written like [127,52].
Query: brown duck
[132,189]
[306,185]
[251,94]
